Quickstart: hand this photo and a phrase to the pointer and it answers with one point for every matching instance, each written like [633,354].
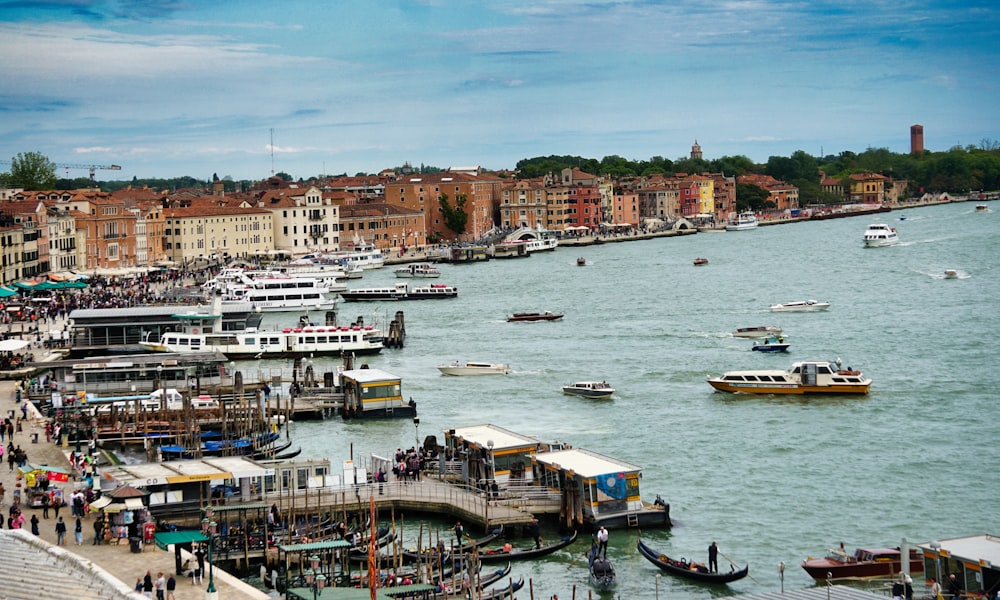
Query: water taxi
[806,377]
[474,368]
[800,306]
[982,208]
[863,564]
[589,389]
[761,331]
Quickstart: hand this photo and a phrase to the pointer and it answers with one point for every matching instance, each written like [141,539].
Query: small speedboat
[761,331]
[581,262]
[589,389]
[800,306]
[698,262]
[982,208]
[474,368]
[951,273]
[864,563]
[535,316]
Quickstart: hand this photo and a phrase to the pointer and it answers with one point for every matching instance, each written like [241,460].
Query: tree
[455,218]
[31,171]
[750,196]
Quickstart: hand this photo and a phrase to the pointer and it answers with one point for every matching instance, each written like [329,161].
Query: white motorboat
[806,377]
[761,331]
[744,221]
[951,273]
[801,306]
[880,234]
[474,368]
[589,389]
[982,208]
[417,271]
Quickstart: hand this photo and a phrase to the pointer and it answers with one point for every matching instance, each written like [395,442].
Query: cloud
[92,149]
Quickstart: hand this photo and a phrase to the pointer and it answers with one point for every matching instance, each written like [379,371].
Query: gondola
[692,571]
[411,556]
[506,592]
[602,572]
[498,556]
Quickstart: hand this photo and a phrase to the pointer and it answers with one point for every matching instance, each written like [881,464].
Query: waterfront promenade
[118,560]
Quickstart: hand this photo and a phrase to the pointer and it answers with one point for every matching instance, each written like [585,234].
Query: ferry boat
[880,234]
[474,368]
[272,294]
[806,377]
[863,564]
[330,278]
[744,221]
[417,271]
[541,244]
[203,332]
[800,306]
[402,291]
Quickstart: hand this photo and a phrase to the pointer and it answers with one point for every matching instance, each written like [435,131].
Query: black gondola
[692,571]
[505,592]
[498,556]
[602,572]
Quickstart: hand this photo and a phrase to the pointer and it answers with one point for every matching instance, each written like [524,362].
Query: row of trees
[958,170]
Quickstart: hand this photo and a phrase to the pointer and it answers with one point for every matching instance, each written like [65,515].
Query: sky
[246,88]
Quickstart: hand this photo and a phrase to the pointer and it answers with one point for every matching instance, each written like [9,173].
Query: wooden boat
[427,554]
[602,572]
[699,262]
[761,331]
[535,316]
[690,570]
[505,592]
[864,563]
[499,555]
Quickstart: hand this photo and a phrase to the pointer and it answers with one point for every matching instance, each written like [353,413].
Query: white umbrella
[13,345]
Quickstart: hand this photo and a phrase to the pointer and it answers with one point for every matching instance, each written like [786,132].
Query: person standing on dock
[602,540]
[713,558]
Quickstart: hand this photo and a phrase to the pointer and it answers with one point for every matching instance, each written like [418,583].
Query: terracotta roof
[190,212]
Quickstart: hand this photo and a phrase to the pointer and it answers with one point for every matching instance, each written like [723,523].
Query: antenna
[272,151]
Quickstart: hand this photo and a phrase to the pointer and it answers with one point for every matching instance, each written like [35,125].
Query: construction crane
[92,168]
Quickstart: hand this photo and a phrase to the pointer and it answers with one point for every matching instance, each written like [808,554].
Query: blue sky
[168,88]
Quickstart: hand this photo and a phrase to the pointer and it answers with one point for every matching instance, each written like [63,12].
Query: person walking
[78,531]
[171,586]
[34,524]
[713,558]
[602,541]
[147,585]
[160,584]
[60,532]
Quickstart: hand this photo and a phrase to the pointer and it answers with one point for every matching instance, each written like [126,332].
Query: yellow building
[223,231]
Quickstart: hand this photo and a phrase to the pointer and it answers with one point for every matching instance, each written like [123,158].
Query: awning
[167,538]
[12,345]
[133,503]
[100,502]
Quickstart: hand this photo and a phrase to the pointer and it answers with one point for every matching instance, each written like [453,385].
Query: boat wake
[947,274]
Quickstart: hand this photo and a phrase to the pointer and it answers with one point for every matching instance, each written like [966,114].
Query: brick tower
[916,139]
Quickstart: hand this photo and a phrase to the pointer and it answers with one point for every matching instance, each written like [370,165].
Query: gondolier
[602,539]
[713,558]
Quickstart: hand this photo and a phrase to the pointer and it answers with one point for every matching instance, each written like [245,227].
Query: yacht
[806,377]
[745,221]
[597,390]
[880,234]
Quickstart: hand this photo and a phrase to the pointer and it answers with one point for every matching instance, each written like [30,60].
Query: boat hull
[820,568]
[587,393]
[756,332]
[787,388]
[667,565]
[469,371]
[770,348]
[534,317]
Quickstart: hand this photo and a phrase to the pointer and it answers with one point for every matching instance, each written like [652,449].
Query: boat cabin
[488,453]
[606,489]
[374,393]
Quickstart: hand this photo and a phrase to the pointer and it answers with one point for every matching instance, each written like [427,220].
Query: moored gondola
[602,572]
[501,555]
[690,570]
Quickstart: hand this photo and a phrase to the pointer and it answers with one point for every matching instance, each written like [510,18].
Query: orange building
[421,193]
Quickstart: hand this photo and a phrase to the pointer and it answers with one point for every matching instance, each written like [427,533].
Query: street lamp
[489,444]
[936,547]
[416,429]
[314,579]
[210,593]
[657,586]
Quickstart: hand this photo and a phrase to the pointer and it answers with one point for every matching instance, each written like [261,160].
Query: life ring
[194,330]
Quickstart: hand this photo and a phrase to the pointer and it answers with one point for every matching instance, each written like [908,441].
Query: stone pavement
[118,560]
